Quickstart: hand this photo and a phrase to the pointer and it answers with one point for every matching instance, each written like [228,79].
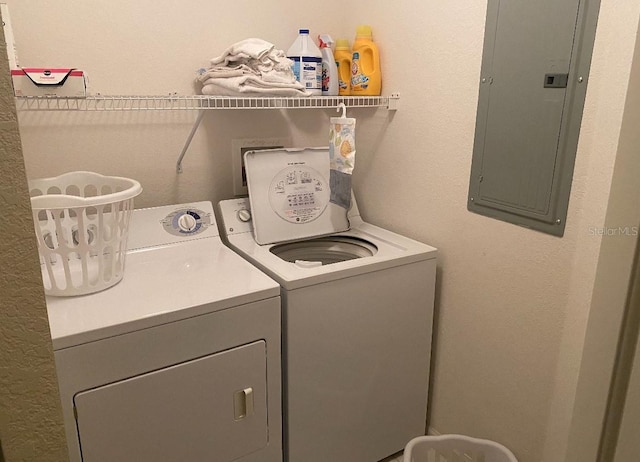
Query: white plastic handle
[129,188]
[344,109]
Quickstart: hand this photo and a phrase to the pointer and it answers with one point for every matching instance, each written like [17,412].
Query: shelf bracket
[394,101]
[189,139]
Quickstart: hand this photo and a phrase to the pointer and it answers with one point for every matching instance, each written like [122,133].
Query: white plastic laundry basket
[455,448]
[81,221]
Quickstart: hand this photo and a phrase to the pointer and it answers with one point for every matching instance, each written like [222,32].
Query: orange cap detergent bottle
[366,77]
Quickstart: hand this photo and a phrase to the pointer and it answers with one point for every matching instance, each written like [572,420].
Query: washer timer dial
[186,222]
[244,215]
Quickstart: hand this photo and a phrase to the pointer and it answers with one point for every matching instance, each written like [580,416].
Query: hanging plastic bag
[342,155]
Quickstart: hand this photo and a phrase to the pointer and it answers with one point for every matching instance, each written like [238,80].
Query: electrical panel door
[533,81]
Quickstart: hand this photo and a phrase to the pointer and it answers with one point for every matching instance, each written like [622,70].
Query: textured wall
[31,426]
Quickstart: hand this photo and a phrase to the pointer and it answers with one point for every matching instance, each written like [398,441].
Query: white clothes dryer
[180,361]
[357,314]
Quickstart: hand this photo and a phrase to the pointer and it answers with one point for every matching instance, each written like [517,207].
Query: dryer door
[204,409]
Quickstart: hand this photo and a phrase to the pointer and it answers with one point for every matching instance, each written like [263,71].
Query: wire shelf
[197,102]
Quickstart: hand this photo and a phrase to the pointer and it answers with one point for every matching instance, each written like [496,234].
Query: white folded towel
[251,48]
[275,76]
[251,67]
[250,85]
[221,72]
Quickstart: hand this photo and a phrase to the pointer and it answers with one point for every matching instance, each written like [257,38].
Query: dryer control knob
[187,222]
[244,215]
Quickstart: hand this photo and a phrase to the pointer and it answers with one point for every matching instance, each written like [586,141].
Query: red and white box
[39,81]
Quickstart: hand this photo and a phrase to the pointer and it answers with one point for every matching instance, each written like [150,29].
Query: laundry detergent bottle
[329,67]
[343,64]
[307,62]
[366,77]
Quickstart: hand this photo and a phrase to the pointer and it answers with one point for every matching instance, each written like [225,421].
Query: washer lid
[289,195]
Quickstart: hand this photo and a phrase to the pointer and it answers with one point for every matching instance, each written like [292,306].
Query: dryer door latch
[243,403]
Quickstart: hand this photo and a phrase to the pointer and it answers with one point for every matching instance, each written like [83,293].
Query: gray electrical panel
[533,81]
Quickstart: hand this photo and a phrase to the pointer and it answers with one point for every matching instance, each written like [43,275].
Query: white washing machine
[357,310]
[180,361]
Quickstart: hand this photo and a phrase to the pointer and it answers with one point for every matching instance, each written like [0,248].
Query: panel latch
[556,80]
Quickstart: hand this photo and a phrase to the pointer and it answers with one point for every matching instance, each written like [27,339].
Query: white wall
[609,299]
[628,444]
[512,303]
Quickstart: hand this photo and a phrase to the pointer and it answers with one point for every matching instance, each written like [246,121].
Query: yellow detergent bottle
[366,77]
[343,61]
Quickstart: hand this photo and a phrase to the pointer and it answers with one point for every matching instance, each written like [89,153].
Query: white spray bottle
[329,68]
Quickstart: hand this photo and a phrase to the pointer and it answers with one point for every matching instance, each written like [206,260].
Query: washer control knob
[244,215]
[187,222]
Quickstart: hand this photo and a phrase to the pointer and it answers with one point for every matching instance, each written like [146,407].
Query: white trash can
[455,448]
